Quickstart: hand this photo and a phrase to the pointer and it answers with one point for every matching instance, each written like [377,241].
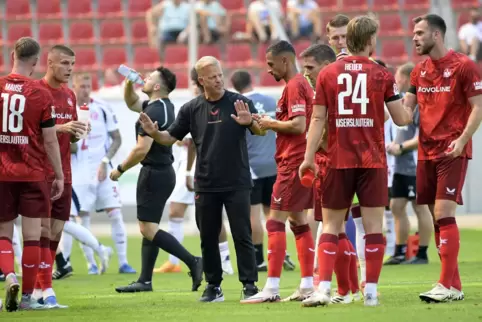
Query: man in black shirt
[156,180]
[217,121]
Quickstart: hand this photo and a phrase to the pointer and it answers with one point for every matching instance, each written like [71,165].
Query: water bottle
[84,117]
[130,74]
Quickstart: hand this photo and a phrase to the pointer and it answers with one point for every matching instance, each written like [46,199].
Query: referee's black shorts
[154,186]
[404,186]
[262,190]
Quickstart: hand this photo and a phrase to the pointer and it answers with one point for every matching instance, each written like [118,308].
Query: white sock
[17,246]
[360,247]
[319,231]
[371,288]
[224,250]
[272,283]
[324,285]
[48,292]
[88,252]
[84,236]
[37,293]
[390,233]
[306,282]
[119,235]
[175,228]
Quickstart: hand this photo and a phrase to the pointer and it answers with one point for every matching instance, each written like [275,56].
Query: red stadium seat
[385,5]
[2,65]
[261,53]
[233,5]
[18,30]
[49,9]
[176,55]
[238,24]
[139,32]
[394,52]
[79,9]
[44,52]
[238,56]
[301,45]
[17,10]
[138,8]
[465,4]
[391,25]
[85,59]
[182,79]
[113,57]
[81,33]
[354,5]
[110,9]
[462,19]
[146,58]
[112,32]
[95,81]
[209,50]
[50,33]
[416,5]
[328,5]
[268,80]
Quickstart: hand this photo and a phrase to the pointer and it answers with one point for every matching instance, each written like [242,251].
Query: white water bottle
[130,74]
[84,117]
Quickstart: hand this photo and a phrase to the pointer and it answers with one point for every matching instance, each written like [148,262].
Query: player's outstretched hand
[455,148]
[147,125]
[243,116]
[305,166]
[57,189]
[265,122]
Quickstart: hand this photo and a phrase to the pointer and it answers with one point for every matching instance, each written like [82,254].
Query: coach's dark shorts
[30,199]
[154,186]
[404,186]
[262,190]
[60,208]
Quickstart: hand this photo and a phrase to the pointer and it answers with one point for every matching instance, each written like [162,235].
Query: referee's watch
[119,168]
[105,160]
[401,148]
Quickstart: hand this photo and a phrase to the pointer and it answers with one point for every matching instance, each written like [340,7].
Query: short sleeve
[182,124]
[110,119]
[157,114]
[296,100]
[320,98]
[391,90]
[470,79]
[252,109]
[48,110]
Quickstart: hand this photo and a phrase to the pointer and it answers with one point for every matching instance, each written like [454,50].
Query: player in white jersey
[183,196]
[96,191]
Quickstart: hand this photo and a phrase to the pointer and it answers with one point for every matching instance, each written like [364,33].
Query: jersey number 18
[358,93]
[13,108]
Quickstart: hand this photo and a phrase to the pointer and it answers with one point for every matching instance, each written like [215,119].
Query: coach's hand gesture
[243,116]
[147,125]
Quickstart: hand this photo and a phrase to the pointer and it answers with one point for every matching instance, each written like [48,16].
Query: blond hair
[206,61]
[359,32]
[81,76]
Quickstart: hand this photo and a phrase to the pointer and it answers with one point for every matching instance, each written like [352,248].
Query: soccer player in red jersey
[448,89]
[28,138]
[60,62]
[355,109]
[289,198]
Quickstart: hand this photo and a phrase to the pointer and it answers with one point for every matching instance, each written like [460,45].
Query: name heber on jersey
[443,88]
[296,100]
[65,111]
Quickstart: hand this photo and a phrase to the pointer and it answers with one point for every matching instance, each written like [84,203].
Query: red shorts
[369,184]
[441,179]
[289,194]
[29,199]
[60,208]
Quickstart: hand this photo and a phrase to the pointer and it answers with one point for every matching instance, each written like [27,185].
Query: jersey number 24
[356,92]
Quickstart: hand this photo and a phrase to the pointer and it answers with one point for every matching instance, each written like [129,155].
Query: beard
[427,48]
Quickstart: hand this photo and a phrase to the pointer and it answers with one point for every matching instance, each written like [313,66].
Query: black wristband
[401,148]
[119,168]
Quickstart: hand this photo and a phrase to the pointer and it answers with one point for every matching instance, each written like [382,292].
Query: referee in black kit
[218,120]
[156,180]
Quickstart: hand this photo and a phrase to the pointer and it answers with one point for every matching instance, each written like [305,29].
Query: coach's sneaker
[126,269]
[341,299]
[62,273]
[168,267]
[395,260]
[262,267]
[51,303]
[248,291]
[196,273]
[93,270]
[288,264]
[135,287]
[299,295]
[457,295]
[371,300]
[227,266]
[319,298]
[266,295]
[212,294]
[29,303]
[438,294]
[415,261]
[105,258]
[12,288]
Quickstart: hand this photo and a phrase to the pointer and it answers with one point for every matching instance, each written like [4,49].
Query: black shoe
[63,273]
[416,261]
[2,276]
[395,260]
[212,294]
[262,267]
[248,291]
[196,274]
[135,287]
[288,265]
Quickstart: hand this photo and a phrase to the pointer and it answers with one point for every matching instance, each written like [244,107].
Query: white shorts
[181,194]
[96,196]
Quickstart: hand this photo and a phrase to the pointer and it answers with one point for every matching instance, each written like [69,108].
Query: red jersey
[296,100]
[26,109]
[354,91]
[443,88]
[65,111]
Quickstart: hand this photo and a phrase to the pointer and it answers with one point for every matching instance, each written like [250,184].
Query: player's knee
[6,229]
[114,214]
[273,226]
[148,230]
[56,228]
[444,209]
[398,207]
[177,210]
[278,215]
[299,229]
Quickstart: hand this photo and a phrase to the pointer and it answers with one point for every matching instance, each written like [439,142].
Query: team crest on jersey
[69,101]
[447,73]
[54,115]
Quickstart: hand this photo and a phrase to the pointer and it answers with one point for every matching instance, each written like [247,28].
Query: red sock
[437,238]
[305,247]
[354,287]
[449,250]
[456,282]
[30,264]
[342,265]
[45,269]
[276,247]
[6,256]
[374,252]
[327,249]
